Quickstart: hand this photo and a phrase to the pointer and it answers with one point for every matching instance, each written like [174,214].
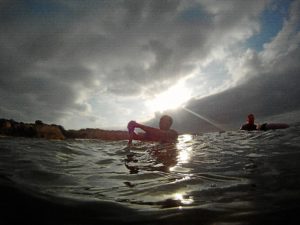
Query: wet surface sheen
[225,178]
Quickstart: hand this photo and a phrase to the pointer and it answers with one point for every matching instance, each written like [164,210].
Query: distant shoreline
[10,127]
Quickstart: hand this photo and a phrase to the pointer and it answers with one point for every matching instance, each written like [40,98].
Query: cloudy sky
[102,63]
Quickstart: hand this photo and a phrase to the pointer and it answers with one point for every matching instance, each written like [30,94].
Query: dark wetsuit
[249,127]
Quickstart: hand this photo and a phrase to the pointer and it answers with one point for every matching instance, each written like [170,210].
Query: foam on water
[227,177]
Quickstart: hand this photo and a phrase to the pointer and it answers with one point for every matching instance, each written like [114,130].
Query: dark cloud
[55,56]
[265,96]
[269,88]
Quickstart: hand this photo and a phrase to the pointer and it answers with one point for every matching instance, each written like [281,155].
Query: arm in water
[130,132]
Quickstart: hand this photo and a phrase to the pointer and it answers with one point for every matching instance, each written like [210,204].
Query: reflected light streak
[185,148]
[180,197]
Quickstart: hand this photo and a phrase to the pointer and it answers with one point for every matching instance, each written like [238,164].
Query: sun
[173,98]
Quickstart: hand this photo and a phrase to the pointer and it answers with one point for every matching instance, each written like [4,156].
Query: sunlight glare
[184,146]
[180,197]
[173,98]
[185,149]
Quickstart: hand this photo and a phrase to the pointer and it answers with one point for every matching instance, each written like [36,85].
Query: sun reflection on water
[185,200]
[184,148]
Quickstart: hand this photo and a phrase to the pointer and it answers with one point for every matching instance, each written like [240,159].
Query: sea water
[232,177]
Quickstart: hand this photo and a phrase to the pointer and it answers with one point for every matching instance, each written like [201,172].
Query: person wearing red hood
[250,125]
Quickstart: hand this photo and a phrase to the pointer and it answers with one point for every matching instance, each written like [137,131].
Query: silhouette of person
[250,125]
[163,134]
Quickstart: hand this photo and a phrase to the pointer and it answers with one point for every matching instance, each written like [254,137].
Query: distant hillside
[53,131]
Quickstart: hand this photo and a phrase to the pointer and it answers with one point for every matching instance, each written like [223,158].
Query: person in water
[250,125]
[163,135]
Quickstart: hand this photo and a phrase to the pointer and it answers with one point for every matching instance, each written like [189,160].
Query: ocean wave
[222,177]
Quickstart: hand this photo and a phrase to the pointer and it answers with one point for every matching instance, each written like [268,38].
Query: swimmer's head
[165,122]
[250,118]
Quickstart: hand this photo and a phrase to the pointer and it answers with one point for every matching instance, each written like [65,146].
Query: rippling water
[215,178]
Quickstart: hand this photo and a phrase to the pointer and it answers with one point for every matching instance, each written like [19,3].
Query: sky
[100,64]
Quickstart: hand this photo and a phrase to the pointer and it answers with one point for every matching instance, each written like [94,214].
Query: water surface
[215,178]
